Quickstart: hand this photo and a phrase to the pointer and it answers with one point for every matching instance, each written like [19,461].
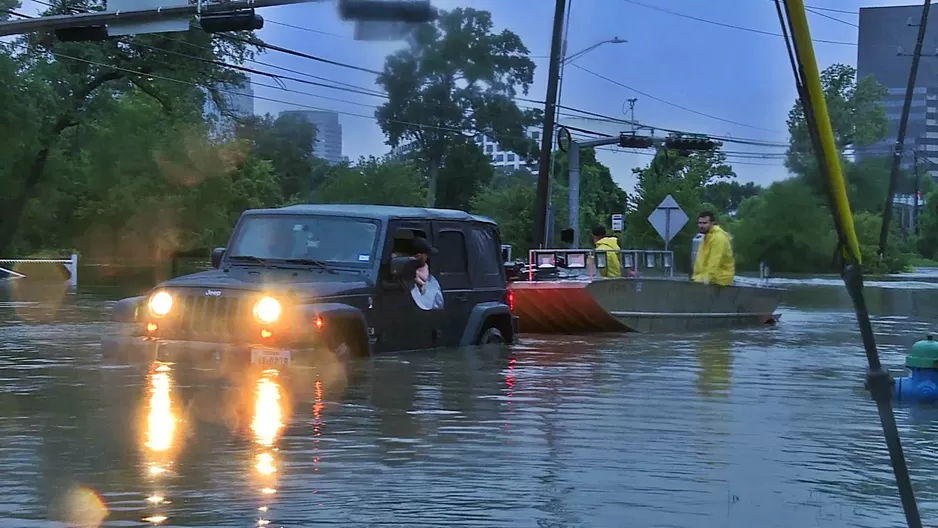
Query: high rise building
[328,133]
[499,158]
[886,41]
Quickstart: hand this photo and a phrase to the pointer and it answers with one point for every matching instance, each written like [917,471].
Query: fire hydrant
[922,384]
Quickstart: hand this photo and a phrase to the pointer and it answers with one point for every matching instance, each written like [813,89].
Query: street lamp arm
[580,53]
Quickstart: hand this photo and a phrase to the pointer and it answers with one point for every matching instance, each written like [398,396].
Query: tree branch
[154,93]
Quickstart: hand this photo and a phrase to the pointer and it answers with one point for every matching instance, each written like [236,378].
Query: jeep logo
[213,293]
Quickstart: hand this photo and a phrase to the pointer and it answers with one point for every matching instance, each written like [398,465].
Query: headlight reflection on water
[161,428]
[267,424]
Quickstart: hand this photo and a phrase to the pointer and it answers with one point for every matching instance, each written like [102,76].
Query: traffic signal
[411,11]
[689,143]
[634,141]
[82,34]
[245,20]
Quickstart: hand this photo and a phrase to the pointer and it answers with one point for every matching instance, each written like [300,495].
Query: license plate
[272,358]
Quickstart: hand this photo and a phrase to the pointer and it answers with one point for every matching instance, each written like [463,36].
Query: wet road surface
[762,427]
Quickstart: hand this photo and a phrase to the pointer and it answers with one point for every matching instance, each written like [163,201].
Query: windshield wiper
[250,258]
[312,262]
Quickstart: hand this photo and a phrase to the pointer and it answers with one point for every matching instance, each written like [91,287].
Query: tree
[137,183]
[287,141]
[61,85]
[373,182]
[456,79]
[786,226]
[856,114]
[466,170]
[682,176]
[726,196]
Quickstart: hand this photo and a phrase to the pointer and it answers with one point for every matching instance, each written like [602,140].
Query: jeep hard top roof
[377,212]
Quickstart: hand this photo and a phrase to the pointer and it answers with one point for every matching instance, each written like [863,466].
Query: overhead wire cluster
[332,84]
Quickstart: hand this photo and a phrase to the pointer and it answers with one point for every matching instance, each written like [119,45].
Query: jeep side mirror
[404,268]
[217,255]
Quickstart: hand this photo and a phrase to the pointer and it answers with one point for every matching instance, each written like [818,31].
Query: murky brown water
[749,428]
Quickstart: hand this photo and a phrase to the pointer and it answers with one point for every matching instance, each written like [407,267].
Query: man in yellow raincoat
[715,263]
[610,245]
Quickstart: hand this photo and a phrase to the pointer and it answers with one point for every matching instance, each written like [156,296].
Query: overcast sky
[717,67]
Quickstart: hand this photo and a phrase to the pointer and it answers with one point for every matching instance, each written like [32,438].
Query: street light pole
[564,60]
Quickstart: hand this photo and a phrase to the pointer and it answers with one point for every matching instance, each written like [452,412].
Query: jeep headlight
[160,303]
[267,310]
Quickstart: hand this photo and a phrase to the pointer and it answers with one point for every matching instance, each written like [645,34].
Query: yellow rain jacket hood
[715,262]
[611,246]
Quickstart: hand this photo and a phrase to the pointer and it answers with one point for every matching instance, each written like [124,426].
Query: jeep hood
[298,281]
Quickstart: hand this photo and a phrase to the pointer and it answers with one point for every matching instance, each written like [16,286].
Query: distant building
[238,101]
[498,157]
[328,133]
[885,44]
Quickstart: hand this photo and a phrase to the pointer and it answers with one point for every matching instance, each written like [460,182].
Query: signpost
[618,223]
[668,219]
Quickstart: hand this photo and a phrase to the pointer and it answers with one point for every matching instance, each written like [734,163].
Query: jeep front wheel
[492,336]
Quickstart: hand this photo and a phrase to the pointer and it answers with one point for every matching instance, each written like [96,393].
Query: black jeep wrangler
[347,278]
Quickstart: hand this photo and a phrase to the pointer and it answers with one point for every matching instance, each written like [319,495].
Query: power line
[300,54]
[686,109]
[835,19]
[730,26]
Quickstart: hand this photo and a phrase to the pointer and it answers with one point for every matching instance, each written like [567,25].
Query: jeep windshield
[319,241]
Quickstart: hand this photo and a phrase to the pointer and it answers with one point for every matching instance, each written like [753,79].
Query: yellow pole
[805,50]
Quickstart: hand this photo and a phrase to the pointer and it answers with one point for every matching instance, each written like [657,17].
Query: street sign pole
[668,219]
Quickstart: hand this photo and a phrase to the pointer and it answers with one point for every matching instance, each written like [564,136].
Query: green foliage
[856,112]
[466,170]
[61,85]
[682,176]
[928,227]
[600,196]
[457,78]
[726,196]
[373,182]
[288,142]
[786,226]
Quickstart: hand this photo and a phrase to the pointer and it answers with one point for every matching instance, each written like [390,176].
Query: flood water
[763,427]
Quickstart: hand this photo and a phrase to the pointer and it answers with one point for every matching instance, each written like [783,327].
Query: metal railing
[70,264]
[591,260]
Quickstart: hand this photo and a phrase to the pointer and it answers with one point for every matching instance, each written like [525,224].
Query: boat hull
[654,305]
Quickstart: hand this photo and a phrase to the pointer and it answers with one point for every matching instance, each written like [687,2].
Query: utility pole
[900,137]
[547,135]
[632,102]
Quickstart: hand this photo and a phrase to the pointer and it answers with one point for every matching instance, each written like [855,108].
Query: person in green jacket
[610,245]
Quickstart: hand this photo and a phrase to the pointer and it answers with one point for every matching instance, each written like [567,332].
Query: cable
[835,19]
[364,91]
[731,26]
[686,109]
[296,53]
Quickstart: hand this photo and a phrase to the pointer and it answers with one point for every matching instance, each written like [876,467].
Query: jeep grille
[205,316]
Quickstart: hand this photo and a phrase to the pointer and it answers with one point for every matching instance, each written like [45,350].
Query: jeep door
[403,324]
[452,270]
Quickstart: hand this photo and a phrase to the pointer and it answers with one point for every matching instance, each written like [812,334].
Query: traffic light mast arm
[351,8]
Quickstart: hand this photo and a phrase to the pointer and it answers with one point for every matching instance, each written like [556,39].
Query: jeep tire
[491,336]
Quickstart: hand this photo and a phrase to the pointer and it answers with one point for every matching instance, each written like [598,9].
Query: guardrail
[590,260]
[70,264]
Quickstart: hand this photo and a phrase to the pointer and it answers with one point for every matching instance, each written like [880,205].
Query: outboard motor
[922,385]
